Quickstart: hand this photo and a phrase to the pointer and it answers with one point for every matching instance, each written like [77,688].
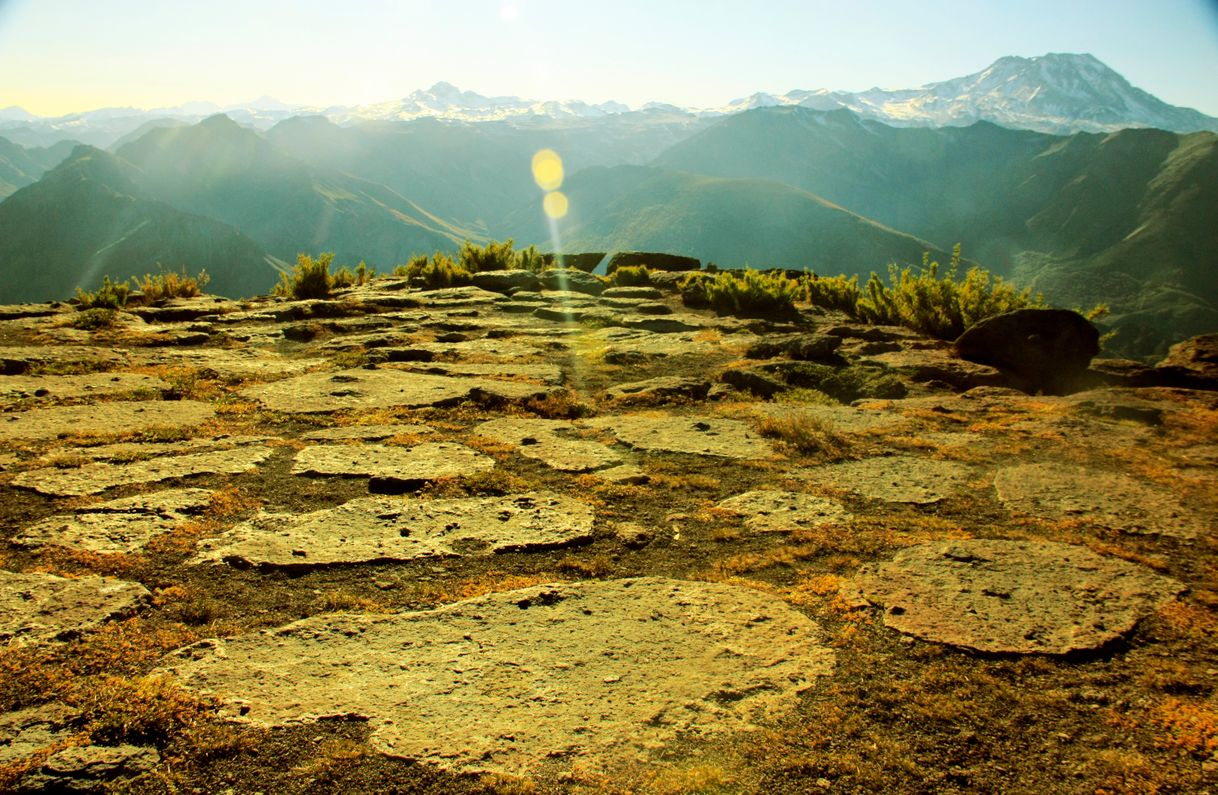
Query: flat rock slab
[897,478]
[104,418]
[783,511]
[1020,597]
[391,463]
[37,608]
[544,440]
[394,528]
[53,387]
[369,433]
[96,478]
[90,768]
[119,525]
[19,358]
[27,731]
[235,363]
[366,389]
[131,451]
[592,674]
[1120,502]
[697,435]
[550,374]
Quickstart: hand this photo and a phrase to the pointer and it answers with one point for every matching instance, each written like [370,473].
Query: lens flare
[555,204]
[547,169]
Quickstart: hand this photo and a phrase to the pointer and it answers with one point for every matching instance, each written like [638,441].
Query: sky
[64,56]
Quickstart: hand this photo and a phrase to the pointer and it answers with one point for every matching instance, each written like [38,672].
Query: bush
[111,295]
[95,318]
[309,279]
[437,272]
[345,277]
[631,276]
[750,293]
[940,307]
[693,290]
[832,292]
[494,256]
[164,286]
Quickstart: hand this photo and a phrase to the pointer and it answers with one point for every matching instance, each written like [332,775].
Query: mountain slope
[88,218]
[219,169]
[732,222]
[21,166]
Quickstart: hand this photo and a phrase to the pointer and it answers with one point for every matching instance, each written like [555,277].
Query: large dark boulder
[653,260]
[573,280]
[1040,350]
[506,281]
[584,262]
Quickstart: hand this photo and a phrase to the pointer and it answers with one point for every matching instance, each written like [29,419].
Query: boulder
[584,262]
[572,279]
[1042,350]
[805,347]
[1197,356]
[506,281]
[653,260]
[661,389]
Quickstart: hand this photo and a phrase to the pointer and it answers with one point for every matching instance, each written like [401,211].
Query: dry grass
[493,581]
[803,434]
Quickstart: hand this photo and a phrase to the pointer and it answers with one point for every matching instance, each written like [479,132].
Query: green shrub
[95,318]
[345,277]
[494,256]
[412,267]
[111,295]
[832,292]
[530,259]
[309,279]
[166,285]
[750,293]
[940,307]
[437,272]
[631,276]
[693,290]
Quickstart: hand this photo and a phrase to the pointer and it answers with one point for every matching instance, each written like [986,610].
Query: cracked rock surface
[596,673]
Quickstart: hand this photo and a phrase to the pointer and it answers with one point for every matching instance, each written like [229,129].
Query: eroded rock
[25,387]
[119,525]
[361,389]
[394,528]
[96,478]
[598,674]
[390,464]
[1018,597]
[1107,499]
[90,768]
[37,608]
[896,478]
[545,441]
[104,418]
[783,511]
[698,435]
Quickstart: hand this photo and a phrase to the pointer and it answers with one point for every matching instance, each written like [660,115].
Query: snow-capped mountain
[1055,93]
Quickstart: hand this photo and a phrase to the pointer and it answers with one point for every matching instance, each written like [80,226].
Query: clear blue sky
[61,56]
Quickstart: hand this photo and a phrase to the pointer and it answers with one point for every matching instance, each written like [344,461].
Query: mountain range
[826,181]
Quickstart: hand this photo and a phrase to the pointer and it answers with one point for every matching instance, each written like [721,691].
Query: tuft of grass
[111,295]
[345,277]
[310,278]
[500,256]
[437,272]
[95,318]
[631,276]
[803,433]
[565,405]
[167,284]
[750,293]
[940,307]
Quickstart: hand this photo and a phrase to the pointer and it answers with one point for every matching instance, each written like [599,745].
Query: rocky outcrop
[1042,350]
[653,260]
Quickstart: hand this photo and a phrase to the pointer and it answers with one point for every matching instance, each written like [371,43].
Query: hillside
[1086,218]
[221,170]
[21,166]
[88,218]
[731,222]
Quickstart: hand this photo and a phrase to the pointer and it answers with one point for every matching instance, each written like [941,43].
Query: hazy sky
[61,56]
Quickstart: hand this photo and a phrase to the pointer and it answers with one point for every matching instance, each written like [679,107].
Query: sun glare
[555,204]
[547,170]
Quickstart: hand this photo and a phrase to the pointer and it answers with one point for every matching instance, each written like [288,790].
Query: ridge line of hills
[1122,218]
